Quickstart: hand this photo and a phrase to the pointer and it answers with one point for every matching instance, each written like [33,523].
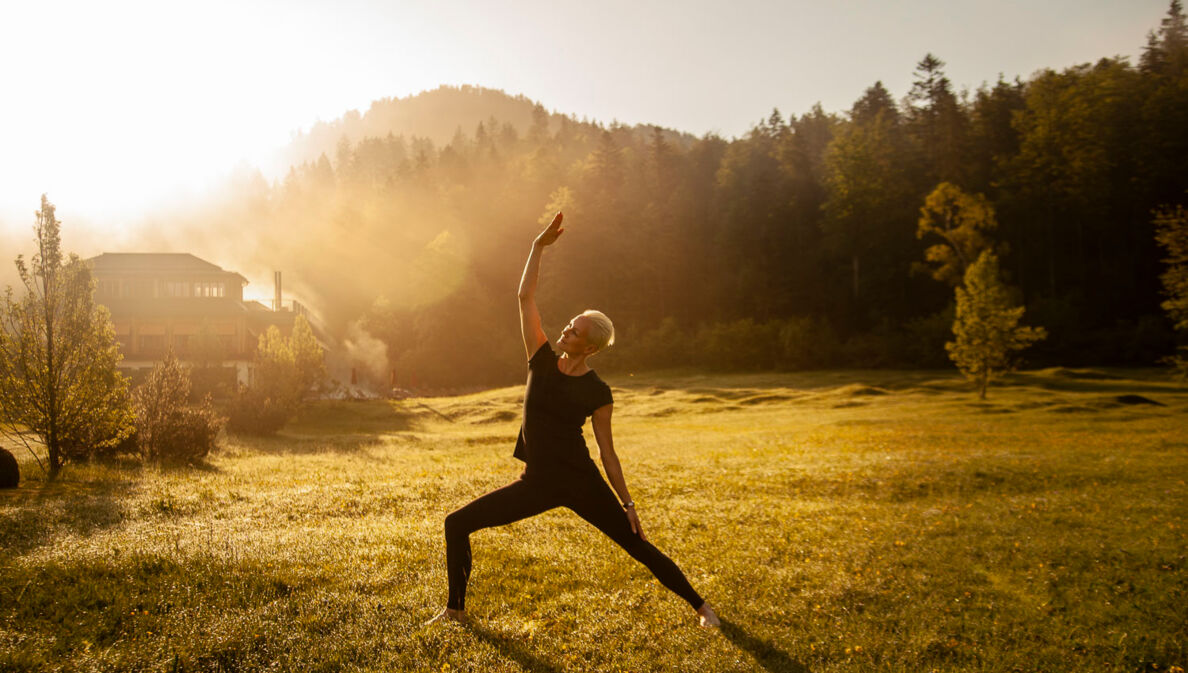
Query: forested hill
[438,116]
[794,246]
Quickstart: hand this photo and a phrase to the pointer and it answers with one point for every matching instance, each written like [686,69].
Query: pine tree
[936,122]
[58,357]
[1167,49]
[987,327]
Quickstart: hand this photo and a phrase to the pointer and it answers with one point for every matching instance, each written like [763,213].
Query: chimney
[276,303]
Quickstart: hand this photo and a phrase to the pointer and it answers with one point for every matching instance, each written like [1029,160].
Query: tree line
[795,245]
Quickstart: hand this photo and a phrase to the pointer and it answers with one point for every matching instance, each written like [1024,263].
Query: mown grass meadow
[856,521]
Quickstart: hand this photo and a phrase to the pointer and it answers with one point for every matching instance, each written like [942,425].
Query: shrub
[666,345]
[276,392]
[166,428]
[255,412]
[188,435]
[806,343]
[217,382]
[920,342]
[867,350]
[737,345]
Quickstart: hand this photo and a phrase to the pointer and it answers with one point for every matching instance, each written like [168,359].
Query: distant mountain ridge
[436,115]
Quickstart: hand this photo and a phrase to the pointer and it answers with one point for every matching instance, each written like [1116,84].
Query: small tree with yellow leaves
[961,220]
[987,327]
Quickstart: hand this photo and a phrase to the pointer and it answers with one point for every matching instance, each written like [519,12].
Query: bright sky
[114,107]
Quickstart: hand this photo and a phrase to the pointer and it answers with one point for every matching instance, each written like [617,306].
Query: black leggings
[591,498]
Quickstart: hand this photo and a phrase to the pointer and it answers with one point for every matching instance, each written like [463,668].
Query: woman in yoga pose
[562,391]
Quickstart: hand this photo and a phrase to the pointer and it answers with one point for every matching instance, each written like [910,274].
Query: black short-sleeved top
[556,406]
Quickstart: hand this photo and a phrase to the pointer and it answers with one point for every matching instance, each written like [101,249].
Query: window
[207,288]
[154,342]
[109,289]
[181,343]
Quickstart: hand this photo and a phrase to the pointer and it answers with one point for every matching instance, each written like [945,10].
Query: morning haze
[890,316]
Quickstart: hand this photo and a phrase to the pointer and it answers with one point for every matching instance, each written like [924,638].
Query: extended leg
[502,506]
[598,505]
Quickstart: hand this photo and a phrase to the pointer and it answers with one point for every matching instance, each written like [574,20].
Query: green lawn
[857,521]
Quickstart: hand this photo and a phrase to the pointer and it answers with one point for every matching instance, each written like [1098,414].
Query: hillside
[438,116]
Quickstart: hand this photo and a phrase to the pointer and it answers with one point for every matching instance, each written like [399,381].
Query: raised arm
[601,420]
[530,327]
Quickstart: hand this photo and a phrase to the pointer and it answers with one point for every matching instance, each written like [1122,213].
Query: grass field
[857,521]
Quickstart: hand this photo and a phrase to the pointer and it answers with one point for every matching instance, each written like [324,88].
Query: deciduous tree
[307,356]
[987,327]
[960,220]
[285,370]
[58,356]
[1172,233]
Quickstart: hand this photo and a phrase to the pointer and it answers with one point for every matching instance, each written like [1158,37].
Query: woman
[562,391]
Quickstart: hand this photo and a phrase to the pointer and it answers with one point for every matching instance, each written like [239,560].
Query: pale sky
[115,107]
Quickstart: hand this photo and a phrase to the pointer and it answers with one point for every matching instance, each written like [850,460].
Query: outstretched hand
[636,527]
[552,232]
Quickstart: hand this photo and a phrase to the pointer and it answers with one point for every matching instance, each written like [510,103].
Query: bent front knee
[454,525]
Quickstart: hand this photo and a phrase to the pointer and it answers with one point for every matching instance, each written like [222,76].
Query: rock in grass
[10,472]
[1138,399]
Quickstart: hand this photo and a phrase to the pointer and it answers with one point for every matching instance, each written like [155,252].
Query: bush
[666,345]
[867,350]
[796,343]
[255,412]
[807,343]
[217,382]
[276,391]
[737,345]
[926,337]
[188,435]
[166,428]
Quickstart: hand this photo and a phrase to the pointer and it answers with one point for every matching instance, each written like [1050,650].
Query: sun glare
[129,106]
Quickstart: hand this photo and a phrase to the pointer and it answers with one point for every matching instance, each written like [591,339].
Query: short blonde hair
[602,330]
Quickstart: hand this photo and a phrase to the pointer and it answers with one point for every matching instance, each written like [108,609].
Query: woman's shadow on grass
[509,648]
[770,657]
